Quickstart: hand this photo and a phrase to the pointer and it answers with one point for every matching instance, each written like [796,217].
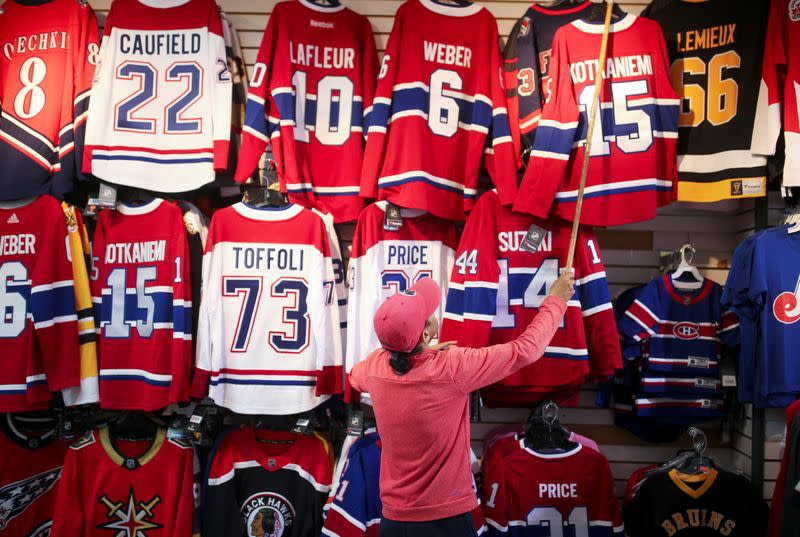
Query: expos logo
[786,307]
[686,330]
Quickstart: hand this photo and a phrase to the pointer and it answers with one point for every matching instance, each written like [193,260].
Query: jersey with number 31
[496,289]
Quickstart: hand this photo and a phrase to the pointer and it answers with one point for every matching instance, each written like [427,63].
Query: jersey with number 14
[496,289]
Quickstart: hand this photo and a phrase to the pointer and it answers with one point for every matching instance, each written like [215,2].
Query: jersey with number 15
[143,311]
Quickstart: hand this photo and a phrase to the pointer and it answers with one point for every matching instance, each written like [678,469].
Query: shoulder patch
[524,27]
[794,10]
[86,440]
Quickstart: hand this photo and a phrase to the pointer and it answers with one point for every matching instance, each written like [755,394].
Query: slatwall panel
[631,254]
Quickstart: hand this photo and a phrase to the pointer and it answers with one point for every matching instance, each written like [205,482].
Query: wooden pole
[587,148]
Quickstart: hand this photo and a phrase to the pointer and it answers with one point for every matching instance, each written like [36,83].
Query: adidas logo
[12,219]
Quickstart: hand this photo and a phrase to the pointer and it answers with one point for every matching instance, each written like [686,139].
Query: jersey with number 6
[531,494]
[269,340]
[632,167]
[496,289]
[160,114]
[48,51]
[440,106]
[312,83]
[143,311]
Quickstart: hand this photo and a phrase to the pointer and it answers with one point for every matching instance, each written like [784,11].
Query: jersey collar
[541,455]
[322,8]
[120,460]
[686,298]
[268,214]
[451,10]
[23,440]
[279,460]
[680,480]
[16,204]
[622,24]
[405,213]
[145,208]
[565,11]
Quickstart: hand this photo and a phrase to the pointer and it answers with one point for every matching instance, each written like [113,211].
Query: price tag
[533,239]
[393,218]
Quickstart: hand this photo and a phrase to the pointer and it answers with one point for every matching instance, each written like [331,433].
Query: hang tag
[107,196]
[393,218]
[705,383]
[533,239]
[355,423]
[727,369]
[695,361]
[303,426]
[178,428]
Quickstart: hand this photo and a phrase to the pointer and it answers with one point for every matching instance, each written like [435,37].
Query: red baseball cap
[400,320]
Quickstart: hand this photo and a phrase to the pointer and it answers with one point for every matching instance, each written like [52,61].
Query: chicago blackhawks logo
[686,330]
[794,10]
[130,518]
[786,307]
[18,496]
[268,515]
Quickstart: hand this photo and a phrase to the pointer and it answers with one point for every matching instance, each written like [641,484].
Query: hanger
[692,461]
[793,220]
[558,4]
[598,13]
[134,425]
[544,432]
[265,193]
[686,276]
[135,196]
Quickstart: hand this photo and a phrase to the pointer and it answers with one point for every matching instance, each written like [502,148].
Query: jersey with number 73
[496,289]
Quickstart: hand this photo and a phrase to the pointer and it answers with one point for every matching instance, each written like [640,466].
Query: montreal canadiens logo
[786,307]
[686,330]
[268,515]
[794,10]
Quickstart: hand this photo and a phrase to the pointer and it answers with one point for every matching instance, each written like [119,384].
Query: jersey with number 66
[496,289]
[311,86]
[48,51]
[632,166]
[160,110]
[143,311]
[269,340]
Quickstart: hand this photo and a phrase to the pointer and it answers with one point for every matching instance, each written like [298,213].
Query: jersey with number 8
[496,289]
[143,309]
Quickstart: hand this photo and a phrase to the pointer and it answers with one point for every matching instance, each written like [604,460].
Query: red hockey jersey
[528,494]
[30,467]
[313,80]
[632,169]
[125,488]
[779,100]
[440,105]
[39,325]
[269,340]
[49,50]
[496,289]
[143,308]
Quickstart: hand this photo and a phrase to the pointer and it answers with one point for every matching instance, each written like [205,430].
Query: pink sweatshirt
[423,417]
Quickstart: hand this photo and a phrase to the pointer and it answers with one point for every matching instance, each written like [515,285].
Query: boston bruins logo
[268,515]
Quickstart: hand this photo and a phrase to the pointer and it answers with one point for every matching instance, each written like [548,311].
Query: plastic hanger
[265,193]
[544,432]
[693,461]
[793,221]
[598,13]
[686,276]
[134,425]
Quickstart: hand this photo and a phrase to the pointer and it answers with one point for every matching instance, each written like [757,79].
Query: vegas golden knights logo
[698,518]
[268,515]
[130,517]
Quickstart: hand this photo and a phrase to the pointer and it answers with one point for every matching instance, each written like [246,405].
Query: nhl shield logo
[794,10]
[786,307]
[268,515]
[686,331]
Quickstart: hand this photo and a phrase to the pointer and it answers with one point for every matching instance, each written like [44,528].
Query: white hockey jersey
[268,334]
[160,108]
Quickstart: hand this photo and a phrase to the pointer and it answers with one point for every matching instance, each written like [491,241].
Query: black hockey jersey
[714,504]
[265,482]
[715,49]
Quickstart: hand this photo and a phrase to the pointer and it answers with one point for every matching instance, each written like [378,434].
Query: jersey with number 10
[439,107]
[160,110]
[632,167]
[142,298]
[496,289]
[269,340]
[312,83]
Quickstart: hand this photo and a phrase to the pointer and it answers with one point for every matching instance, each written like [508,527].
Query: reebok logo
[12,219]
[322,24]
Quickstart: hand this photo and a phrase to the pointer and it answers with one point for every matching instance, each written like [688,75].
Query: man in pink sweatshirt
[420,394]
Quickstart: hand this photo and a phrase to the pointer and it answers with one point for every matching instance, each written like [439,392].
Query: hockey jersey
[312,83]
[439,106]
[632,167]
[496,288]
[527,56]
[269,340]
[39,325]
[715,53]
[160,110]
[385,262]
[684,331]
[46,68]
[531,494]
[143,306]
[111,486]
[30,467]
[779,98]
[705,505]
[265,482]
